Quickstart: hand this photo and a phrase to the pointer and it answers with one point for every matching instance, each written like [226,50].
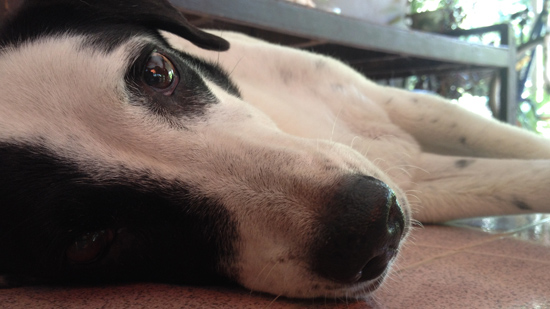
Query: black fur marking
[286,75]
[464,163]
[337,87]
[462,140]
[320,64]
[165,231]
[38,18]
[213,72]
[522,205]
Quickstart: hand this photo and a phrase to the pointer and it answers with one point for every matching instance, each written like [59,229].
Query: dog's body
[126,153]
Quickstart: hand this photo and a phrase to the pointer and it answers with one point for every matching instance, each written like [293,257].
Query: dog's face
[122,158]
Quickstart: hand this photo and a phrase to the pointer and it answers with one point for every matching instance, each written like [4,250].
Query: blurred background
[476,90]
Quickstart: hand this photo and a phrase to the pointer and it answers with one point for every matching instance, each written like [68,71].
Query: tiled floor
[483,263]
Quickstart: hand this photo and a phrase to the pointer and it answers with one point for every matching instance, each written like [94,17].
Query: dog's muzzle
[361,230]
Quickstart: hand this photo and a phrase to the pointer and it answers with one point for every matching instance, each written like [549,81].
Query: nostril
[373,269]
[377,265]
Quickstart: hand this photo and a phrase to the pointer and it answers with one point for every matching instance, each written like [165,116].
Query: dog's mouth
[372,274]
[353,239]
[361,287]
[367,280]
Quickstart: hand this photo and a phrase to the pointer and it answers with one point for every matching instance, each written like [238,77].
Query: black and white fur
[292,174]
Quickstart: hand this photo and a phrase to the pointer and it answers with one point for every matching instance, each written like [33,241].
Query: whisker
[235,66]
[258,276]
[353,140]
[269,272]
[400,168]
[273,301]
[334,123]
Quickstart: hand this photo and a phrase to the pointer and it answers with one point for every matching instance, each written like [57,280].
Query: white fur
[300,112]
[320,99]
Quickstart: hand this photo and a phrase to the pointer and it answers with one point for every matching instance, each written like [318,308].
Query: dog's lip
[359,289]
[375,284]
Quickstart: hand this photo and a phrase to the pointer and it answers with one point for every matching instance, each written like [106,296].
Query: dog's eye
[89,247]
[160,74]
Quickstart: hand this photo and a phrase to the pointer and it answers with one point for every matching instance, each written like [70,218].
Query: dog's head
[122,158]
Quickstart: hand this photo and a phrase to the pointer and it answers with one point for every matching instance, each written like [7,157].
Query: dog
[134,146]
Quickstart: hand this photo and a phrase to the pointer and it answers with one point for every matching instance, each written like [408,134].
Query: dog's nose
[360,231]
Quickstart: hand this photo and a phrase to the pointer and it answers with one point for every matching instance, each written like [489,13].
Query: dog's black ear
[162,15]
[157,14]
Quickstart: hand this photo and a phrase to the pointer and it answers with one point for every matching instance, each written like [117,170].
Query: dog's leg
[446,128]
[457,187]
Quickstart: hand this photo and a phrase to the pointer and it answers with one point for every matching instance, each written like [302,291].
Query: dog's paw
[309,3]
